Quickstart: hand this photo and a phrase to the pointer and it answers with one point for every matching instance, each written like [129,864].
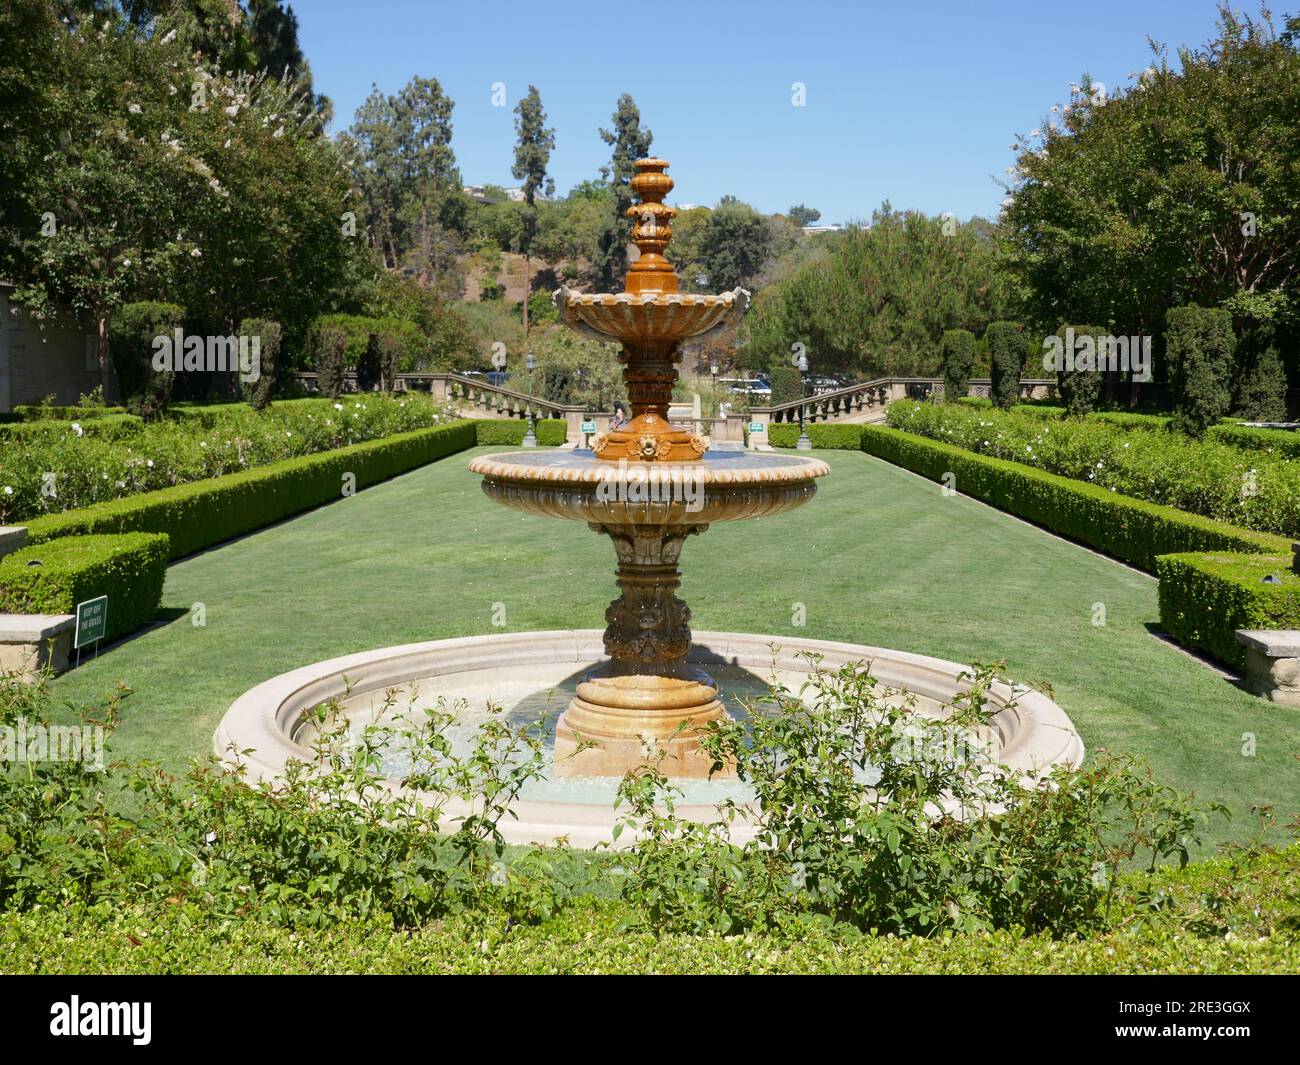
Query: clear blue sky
[912,101]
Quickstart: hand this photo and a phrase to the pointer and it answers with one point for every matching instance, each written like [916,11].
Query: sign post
[588,428]
[92,623]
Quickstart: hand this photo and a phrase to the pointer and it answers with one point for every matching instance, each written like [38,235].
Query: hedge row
[36,412]
[1282,441]
[829,435]
[1205,598]
[106,427]
[54,576]
[1127,528]
[503,432]
[602,937]
[202,513]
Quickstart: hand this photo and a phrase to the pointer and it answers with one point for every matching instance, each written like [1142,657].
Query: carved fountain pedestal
[647,701]
[647,486]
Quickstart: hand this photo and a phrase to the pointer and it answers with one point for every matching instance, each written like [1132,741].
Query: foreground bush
[874,816]
[327,843]
[1226,915]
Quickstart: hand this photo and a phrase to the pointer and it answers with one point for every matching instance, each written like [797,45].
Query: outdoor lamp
[530,364]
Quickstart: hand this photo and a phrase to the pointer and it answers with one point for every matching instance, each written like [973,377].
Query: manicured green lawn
[879,557]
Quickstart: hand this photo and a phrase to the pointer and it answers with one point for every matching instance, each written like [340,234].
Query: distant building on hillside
[53,357]
[821,229]
[480,194]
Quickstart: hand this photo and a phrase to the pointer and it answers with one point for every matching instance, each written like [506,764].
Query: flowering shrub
[874,816]
[56,466]
[1213,479]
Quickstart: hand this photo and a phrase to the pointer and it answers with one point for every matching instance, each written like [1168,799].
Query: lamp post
[803,443]
[530,363]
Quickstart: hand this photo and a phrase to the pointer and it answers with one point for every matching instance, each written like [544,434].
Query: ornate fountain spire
[651,229]
[650,318]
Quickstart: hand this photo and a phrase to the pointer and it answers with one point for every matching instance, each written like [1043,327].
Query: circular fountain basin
[650,316]
[721,486]
[528,672]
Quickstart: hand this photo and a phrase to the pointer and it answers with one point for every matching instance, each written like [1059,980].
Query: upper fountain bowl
[650,316]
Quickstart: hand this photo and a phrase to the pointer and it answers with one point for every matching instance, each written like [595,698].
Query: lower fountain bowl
[1025,730]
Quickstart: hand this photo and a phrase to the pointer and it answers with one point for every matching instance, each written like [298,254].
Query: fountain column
[647,702]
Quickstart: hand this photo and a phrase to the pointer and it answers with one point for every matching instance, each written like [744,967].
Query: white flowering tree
[93,219]
[272,225]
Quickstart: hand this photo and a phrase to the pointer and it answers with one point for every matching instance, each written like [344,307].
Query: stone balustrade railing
[866,400]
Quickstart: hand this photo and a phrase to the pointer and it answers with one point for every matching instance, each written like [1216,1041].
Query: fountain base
[616,724]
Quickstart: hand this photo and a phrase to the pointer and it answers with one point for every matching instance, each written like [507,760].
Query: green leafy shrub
[541,308]
[413,345]
[328,842]
[1126,528]
[106,427]
[831,435]
[258,393]
[329,346]
[1281,442]
[27,412]
[1006,347]
[1259,393]
[1206,477]
[369,371]
[53,577]
[1206,597]
[1199,345]
[131,334]
[871,815]
[124,457]
[506,432]
[1080,387]
[203,513]
[957,358]
[787,385]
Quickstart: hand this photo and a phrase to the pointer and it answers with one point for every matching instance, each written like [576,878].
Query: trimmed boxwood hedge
[1206,597]
[1127,528]
[830,435]
[202,513]
[35,412]
[107,427]
[504,432]
[54,576]
[1285,442]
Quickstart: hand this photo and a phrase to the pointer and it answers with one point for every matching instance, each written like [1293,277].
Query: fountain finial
[651,229]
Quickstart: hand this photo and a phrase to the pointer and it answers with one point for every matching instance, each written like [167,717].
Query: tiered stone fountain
[647,694]
[649,487]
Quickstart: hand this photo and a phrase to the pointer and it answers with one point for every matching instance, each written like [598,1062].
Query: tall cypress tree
[630,143]
[532,154]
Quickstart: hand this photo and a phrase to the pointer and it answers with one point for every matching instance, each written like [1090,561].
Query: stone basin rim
[781,469]
[1035,735]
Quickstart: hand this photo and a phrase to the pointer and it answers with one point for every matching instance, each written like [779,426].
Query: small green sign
[758,427]
[92,621]
[588,427]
